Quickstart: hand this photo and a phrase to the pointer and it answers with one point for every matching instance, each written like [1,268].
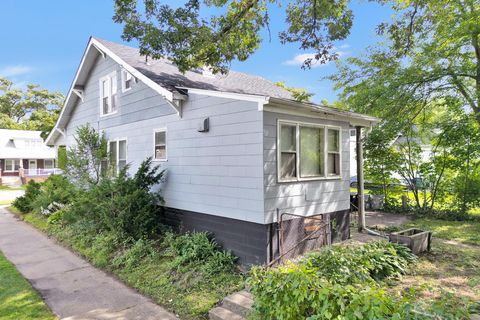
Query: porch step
[236,307]
[220,313]
[11,181]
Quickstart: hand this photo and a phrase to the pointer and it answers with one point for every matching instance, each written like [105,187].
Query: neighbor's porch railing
[41,172]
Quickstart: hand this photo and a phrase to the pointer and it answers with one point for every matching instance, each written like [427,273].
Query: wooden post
[360,182]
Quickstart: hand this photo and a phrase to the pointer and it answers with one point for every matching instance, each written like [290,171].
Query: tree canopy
[430,56]
[191,40]
[32,109]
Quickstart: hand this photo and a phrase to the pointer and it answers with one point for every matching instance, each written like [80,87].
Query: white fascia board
[261,100]
[320,112]
[137,74]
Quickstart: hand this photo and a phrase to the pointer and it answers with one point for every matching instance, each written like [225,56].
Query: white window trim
[13,167]
[117,146]
[166,144]
[100,87]
[299,124]
[124,74]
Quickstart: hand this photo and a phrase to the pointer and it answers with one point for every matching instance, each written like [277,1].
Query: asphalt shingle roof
[166,74]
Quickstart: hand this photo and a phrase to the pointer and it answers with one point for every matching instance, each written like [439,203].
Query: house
[24,154]
[236,148]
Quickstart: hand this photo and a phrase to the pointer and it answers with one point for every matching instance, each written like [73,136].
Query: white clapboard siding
[219,172]
[303,197]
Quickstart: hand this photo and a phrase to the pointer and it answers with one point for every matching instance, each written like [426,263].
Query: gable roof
[167,75]
[165,78]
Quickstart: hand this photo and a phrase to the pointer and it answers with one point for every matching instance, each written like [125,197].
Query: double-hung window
[49,164]
[307,151]
[127,80]
[160,144]
[108,94]
[12,165]
[117,150]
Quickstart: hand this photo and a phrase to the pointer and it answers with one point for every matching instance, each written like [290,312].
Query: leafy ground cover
[350,282]
[18,300]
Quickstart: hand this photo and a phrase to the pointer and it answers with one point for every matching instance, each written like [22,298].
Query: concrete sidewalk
[71,287]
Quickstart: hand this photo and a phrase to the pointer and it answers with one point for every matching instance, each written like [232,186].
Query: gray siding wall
[219,172]
[306,197]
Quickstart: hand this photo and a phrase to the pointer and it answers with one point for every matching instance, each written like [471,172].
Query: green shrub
[384,259]
[296,291]
[25,202]
[195,247]
[55,190]
[123,205]
[374,261]
[335,283]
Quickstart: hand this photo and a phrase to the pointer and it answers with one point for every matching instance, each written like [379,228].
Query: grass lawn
[186,290]
[467,232]
[18,300]
[447,270]
[452,267]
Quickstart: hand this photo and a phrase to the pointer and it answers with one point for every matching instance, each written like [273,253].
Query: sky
[42,43]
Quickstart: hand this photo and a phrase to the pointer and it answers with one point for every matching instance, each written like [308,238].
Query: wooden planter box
[416,239]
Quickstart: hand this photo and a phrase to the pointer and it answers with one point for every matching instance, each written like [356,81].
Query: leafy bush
[296,291]
[195,247]
[123,205]
[25,202]
[56,189]
[335,283]
[374,261]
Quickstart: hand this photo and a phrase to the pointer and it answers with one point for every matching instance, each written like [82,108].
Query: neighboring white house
[23,150]
[236,147]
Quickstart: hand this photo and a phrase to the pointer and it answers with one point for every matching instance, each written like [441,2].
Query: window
[333,160]
[127,80]
[307,151]
[33,143]
[117,151]
[288,151]
[108,94]
[49,164]
[311,152]
[160,145]
[12,165]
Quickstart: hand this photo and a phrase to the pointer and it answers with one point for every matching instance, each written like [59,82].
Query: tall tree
[31,109]
[192,40]
[431,50]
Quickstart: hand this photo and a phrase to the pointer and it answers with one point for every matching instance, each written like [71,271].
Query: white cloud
[300,58]
[344,46]
[15,70]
